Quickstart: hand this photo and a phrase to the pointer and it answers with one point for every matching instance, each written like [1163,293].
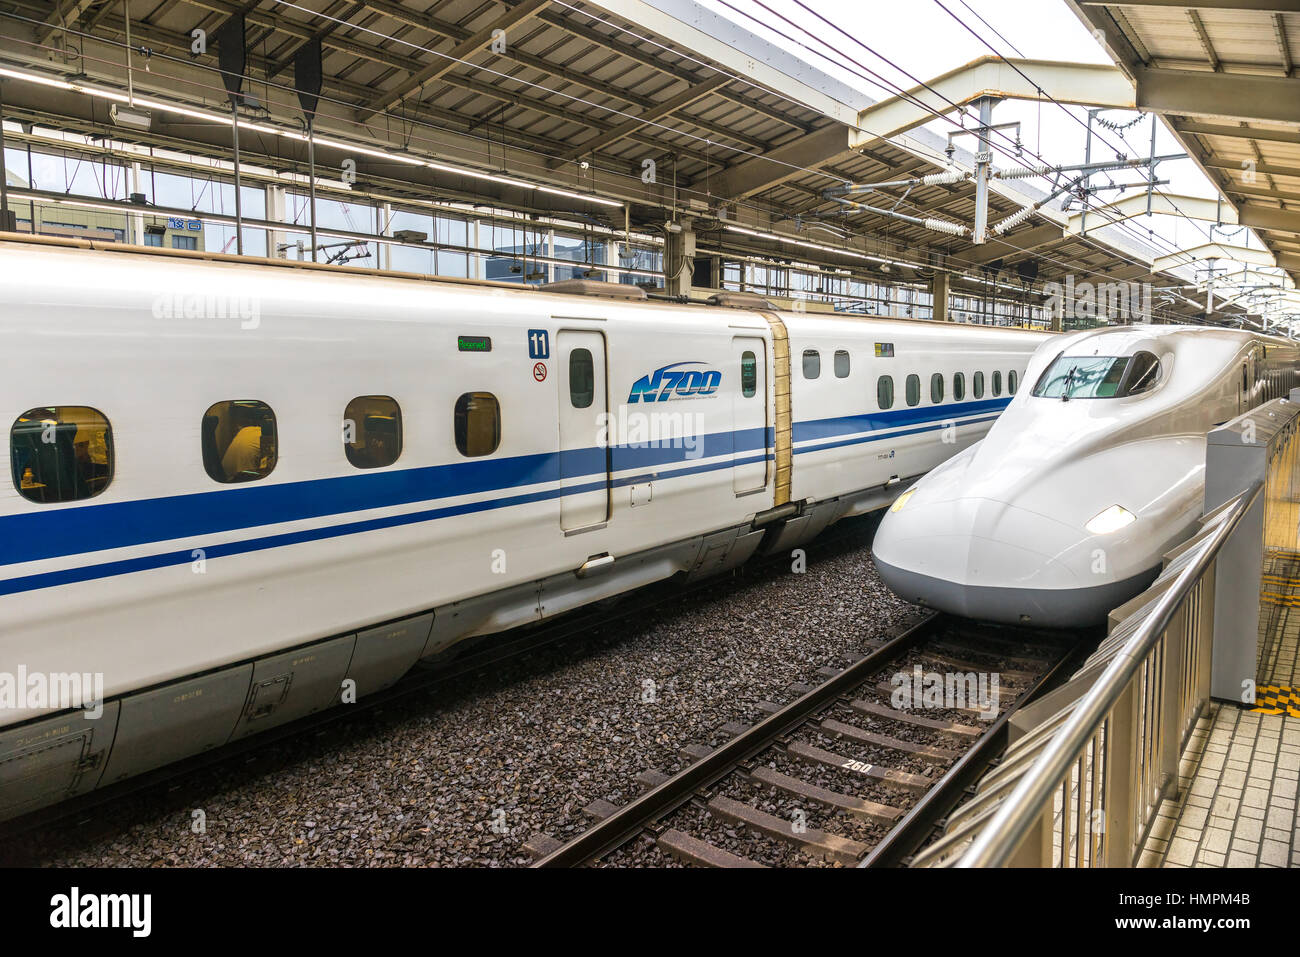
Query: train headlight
[1110,520]
[902,500]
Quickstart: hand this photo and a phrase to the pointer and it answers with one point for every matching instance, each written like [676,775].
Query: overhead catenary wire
[865,72]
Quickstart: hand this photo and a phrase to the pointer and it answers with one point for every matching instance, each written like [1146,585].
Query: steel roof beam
[1185,257]
[1131,207]
[1023,241]
[658,112]
[1276,169]
[1075,83]
[1274,99]
[456,32]
[784,162]
[1240,132]
[64,14]
[356,92]
[1270,217]
[445,63]
[1259,6]
[655,61]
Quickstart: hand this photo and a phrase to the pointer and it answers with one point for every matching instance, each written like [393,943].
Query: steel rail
[631,819]
[907,836]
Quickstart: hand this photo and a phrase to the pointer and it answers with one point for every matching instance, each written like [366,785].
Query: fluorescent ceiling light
[224,119]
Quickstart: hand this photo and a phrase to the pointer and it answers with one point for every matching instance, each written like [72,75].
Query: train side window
[913,389]
[1012,381]
[478,424]
[61,453]
[748,374]
[997,383]
[582,378]
[239,441]
[978,385]
[936,388]
[841,364]
[885,392]
[958,386]
[372,431]
[812,363]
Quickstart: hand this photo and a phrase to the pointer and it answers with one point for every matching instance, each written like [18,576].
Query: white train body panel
[999,531]
[832,448]
[167,574]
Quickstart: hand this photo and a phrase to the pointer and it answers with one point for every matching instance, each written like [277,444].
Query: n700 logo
[669,382]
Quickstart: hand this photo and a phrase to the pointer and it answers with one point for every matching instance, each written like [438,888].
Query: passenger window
[812,363]
[978,385]
[997,383]
[841,364]
[478,424]
[913,389]
[1012,380]
[885,392]
[936,388]
[582,379]
[958,386]
[372,431]
[748,374]
[238,440]
[61,453]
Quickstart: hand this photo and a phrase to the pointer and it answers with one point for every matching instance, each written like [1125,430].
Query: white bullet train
[241,491]
[1094,471]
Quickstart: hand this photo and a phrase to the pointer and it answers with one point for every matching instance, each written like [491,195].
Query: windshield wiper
[1069,381]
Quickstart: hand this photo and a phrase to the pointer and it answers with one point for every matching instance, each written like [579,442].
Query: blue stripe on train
[90,528]
[876,421]
[70,531]
[186,556]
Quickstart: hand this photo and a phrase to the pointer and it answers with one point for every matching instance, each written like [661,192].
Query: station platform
[1239,774]
[1237,795]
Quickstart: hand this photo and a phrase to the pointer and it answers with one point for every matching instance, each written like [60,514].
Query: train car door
[584,427]
[750,436]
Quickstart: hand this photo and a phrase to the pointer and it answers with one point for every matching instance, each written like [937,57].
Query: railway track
[853,779]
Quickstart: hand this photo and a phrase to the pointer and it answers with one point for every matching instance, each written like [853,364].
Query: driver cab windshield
[1099,377]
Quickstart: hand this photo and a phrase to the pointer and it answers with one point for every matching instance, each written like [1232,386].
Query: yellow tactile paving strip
[1277,699]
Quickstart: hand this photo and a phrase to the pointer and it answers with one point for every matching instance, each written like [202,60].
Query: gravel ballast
[465,774]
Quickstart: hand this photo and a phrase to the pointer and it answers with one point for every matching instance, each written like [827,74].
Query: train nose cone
[958,556]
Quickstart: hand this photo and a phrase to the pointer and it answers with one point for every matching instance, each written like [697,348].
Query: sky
[924,39]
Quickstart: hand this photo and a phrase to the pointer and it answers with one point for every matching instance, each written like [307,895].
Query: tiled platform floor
[1237,795]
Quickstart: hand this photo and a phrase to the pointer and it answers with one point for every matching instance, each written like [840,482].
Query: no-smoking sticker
[539,371]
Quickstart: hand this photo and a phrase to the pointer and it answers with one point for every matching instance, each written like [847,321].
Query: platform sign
[539,344]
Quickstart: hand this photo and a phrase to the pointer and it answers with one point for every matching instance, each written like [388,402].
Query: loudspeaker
[231,55]
[307,76]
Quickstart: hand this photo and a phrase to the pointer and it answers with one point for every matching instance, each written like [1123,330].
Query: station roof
[1224,75]
[577,95]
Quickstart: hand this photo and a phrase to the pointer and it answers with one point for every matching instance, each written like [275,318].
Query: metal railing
[1083,786]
